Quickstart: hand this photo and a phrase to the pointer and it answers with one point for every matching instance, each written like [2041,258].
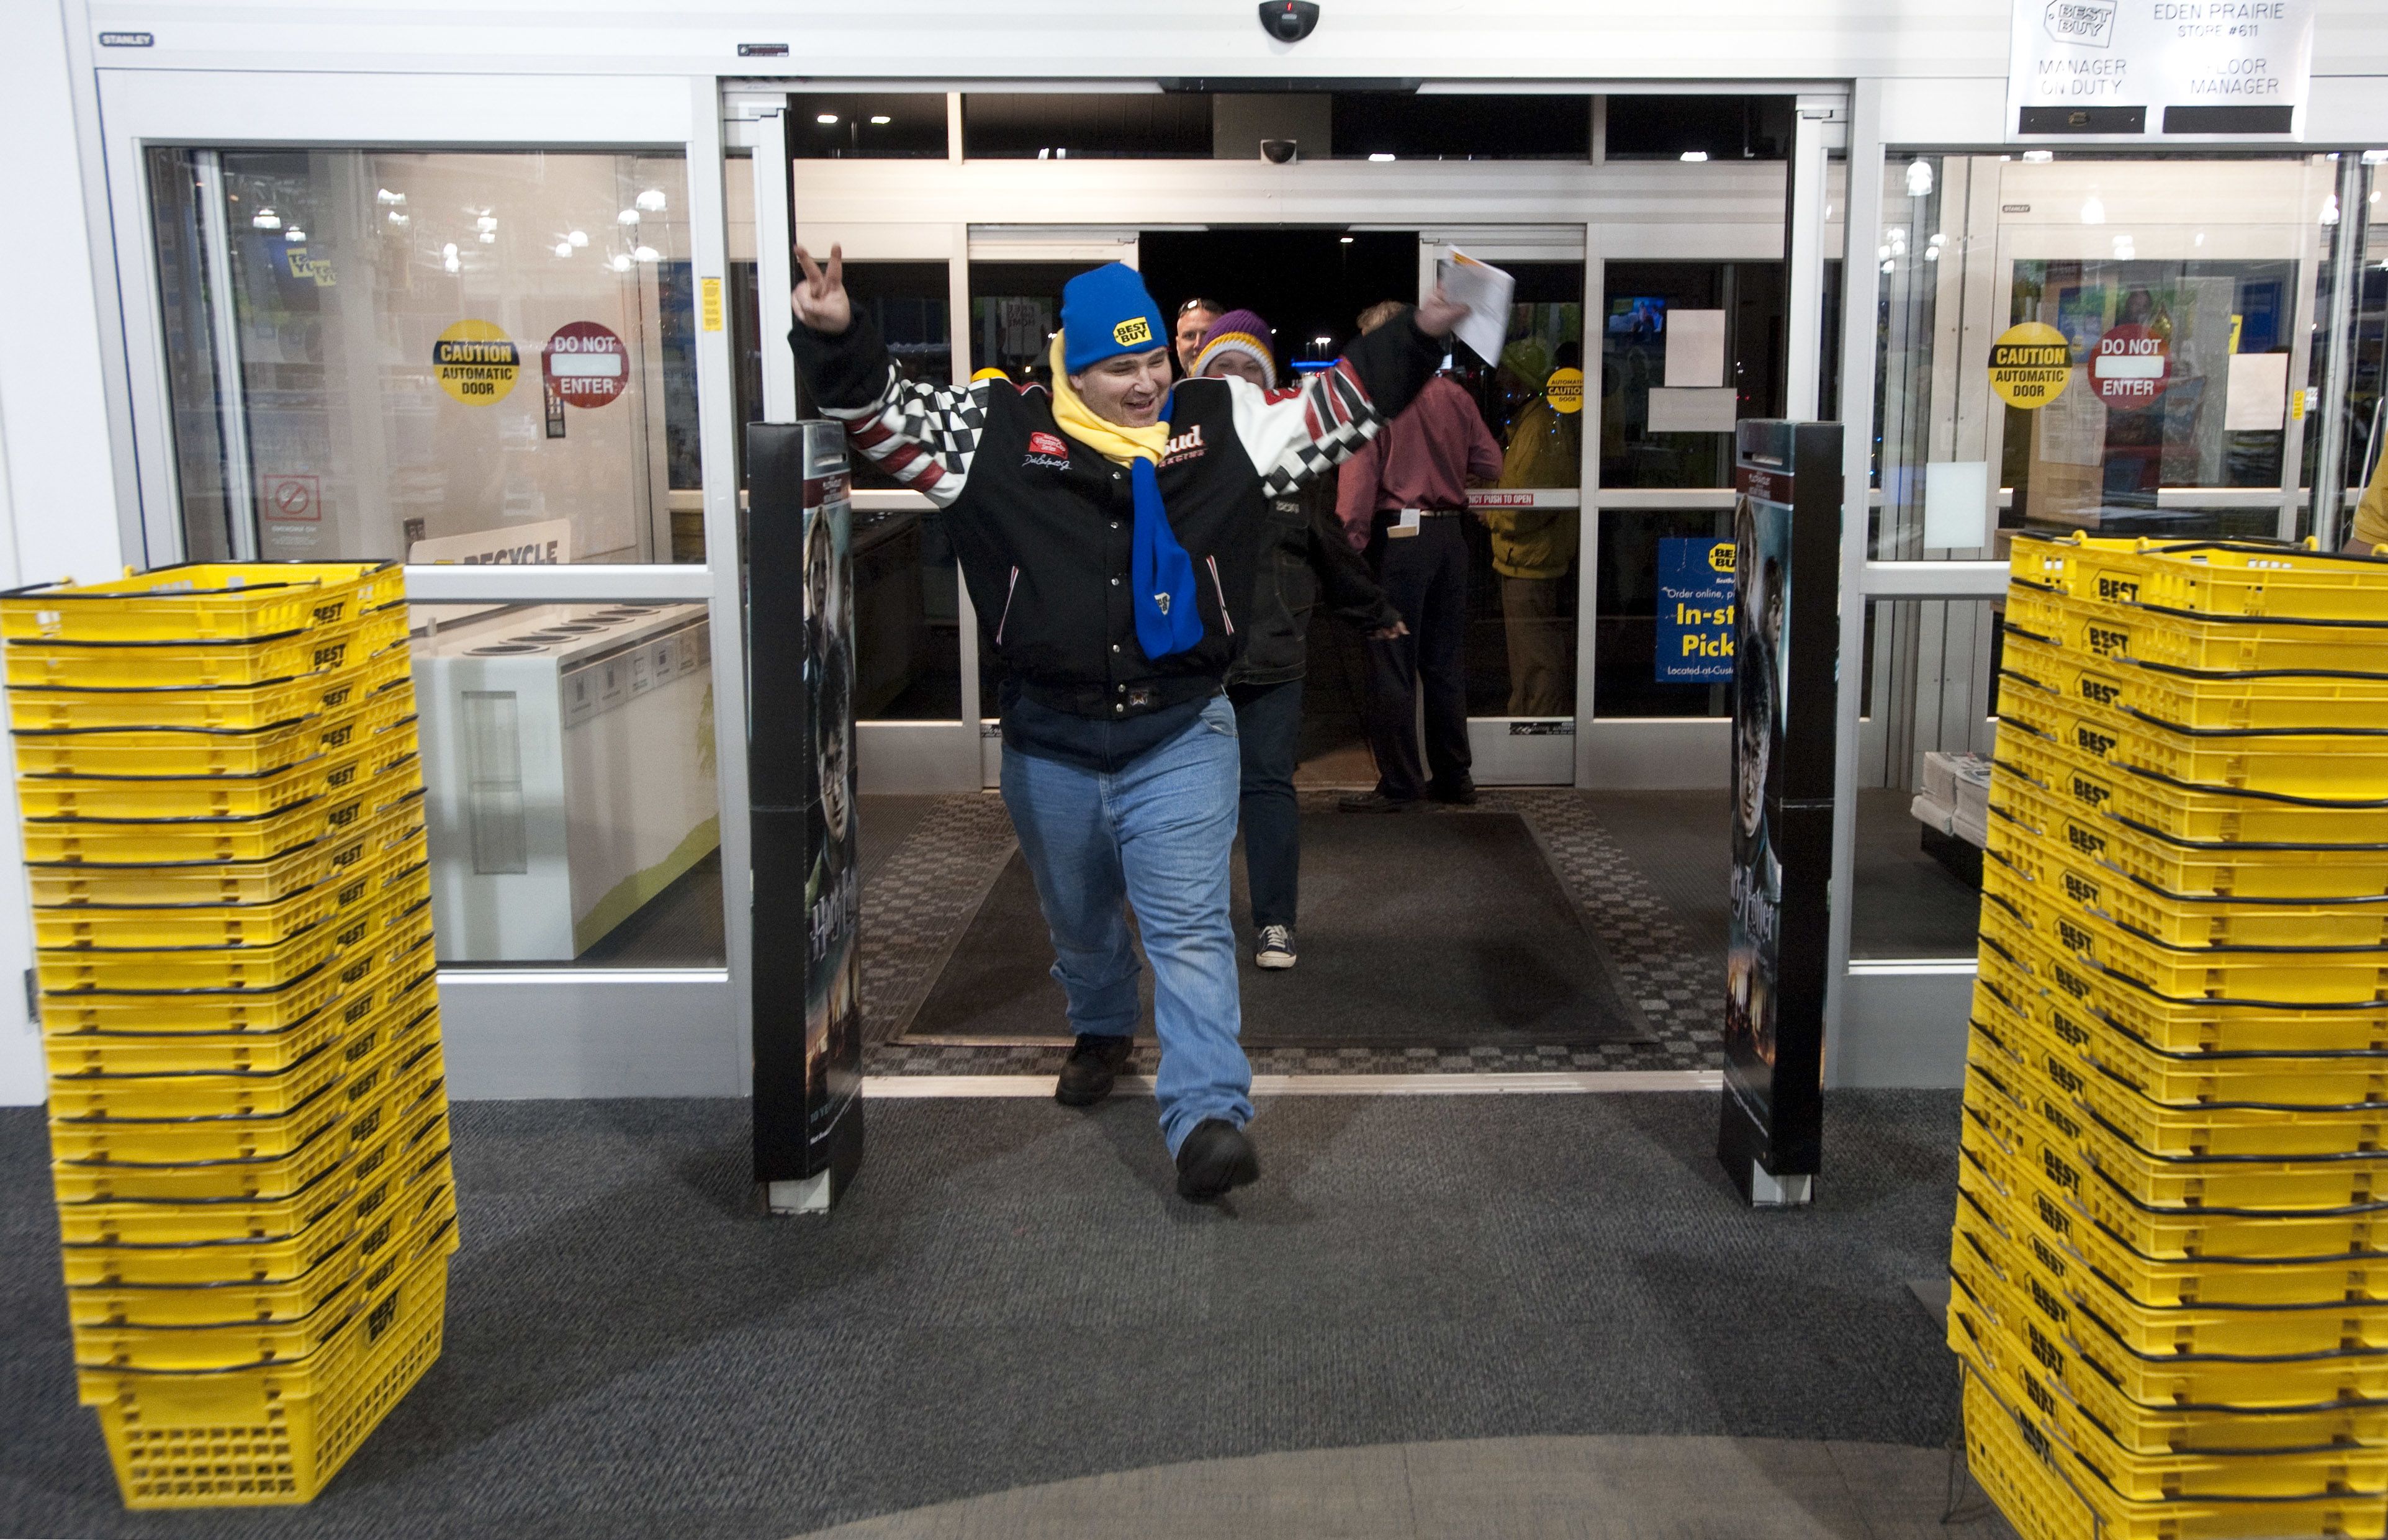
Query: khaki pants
[1541,660]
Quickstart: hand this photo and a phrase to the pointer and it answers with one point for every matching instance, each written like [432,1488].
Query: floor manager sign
[2135,67]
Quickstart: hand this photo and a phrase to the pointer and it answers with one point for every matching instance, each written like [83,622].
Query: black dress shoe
[1087,1074]
[1464,796]
[1215,1159]
[1377,802]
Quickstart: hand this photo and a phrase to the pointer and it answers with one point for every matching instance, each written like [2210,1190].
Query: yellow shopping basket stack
[2170,1260]
[222,810]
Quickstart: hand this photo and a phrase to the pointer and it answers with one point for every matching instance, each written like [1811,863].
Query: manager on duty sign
[2131,68]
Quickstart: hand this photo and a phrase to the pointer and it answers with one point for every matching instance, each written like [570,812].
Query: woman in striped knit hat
[1302,552]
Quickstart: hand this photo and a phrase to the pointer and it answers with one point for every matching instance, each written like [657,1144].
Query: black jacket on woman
[1304,556]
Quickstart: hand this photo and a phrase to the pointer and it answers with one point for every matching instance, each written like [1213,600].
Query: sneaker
[1377,802]
[1464,796]
[1275,950]
[1215,1159]
[1093,1062]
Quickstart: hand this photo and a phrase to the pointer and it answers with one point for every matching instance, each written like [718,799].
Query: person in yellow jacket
[1533,551]
[2369,536]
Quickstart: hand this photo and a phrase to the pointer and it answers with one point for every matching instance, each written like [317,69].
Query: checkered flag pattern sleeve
[1294,433]
[924,436]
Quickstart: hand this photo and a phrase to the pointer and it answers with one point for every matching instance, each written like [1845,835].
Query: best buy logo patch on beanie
[1105,312]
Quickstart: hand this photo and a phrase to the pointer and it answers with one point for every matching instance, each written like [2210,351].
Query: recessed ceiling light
[1695,156]
[651,200]
[628,216]
[578,237]
[1381,159]
[1344,240]
[826,118]
[647,254]
[882,119]
[265,219]
[621,264]
[564,249]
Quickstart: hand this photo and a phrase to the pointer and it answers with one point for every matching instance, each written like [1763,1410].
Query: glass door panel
[442,356]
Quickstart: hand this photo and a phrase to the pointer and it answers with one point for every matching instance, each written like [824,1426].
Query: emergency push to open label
[2030,364]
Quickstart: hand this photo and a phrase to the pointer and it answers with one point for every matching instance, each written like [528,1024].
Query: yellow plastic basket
[196,665]
[2016,1466]
[2043,876]
[205,1222]
[215,709]
[2172,810]
[272,1435]
[2206,645]
[2032,1209]
[2168,1456]
[399,824]
[2208,576]
[267,1176]
[207,841]
[196,1141]
[2157,694]
[2348,764]
[2022,816]
[146,754]
[120,926]
[2285,977]
[202,601]
[173,1099]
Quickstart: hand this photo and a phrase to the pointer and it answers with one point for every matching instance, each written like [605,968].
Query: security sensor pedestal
[800,771]
[1786,556]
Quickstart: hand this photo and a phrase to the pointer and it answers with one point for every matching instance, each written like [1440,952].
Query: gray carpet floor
[1012,1295]
[1416,931]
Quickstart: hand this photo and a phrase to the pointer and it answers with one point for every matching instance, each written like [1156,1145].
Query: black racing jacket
[1044,526]
[1304,556]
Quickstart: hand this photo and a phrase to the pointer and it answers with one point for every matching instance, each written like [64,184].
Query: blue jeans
[1157,835]
[1268,721]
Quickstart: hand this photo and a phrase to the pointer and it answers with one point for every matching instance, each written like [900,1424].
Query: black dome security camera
[1280,152]
[1289,21]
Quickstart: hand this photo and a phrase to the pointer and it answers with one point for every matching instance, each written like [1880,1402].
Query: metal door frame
[527,1031]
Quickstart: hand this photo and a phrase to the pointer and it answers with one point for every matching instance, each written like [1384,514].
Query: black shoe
[1087,1072]
[1378,802]
[1215,1159]
[1464,797]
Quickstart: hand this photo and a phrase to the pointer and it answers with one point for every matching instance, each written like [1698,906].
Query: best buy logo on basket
[476,363]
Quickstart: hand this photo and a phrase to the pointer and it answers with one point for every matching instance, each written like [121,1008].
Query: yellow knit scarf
[1113,442]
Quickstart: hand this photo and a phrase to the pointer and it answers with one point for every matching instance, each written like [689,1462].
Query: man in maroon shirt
[1403,498]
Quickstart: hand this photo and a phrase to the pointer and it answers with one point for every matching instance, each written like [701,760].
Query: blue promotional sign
[1695,611]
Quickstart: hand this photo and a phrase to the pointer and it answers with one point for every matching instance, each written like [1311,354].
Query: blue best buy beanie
[1106,313]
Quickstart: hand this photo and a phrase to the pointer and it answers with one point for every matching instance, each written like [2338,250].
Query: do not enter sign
[586,364]
[2130,366]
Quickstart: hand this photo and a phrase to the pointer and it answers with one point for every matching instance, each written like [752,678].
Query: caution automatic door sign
[476,363]
[2030,364]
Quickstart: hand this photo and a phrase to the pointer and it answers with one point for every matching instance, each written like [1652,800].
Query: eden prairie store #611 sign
[2134,67]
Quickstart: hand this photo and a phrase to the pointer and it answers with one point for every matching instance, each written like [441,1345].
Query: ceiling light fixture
[651,200]
[265,219]
[1381,159]
[882,119]
[578,237]
[1694,156]
[564,249]
[628,216]
[825,118]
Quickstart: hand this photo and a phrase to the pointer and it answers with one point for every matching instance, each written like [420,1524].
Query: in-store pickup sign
[1695,609]
[2130,68]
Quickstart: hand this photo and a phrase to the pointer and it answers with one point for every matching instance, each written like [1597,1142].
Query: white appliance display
[568,752]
